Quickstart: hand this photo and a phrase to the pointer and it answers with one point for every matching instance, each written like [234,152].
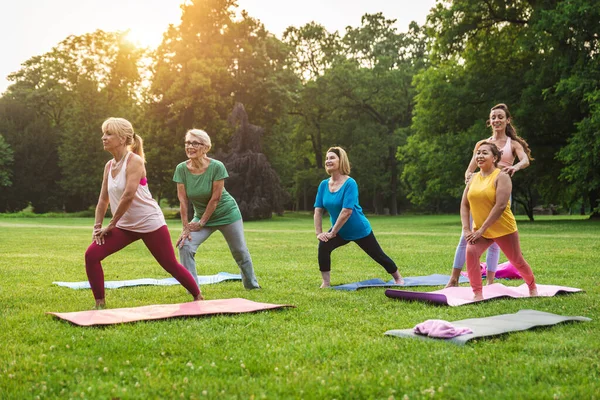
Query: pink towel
[439,328]
[505,271]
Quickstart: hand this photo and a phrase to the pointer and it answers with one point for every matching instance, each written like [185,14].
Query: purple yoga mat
[458,296]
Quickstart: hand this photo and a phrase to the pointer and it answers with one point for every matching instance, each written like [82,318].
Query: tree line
[407,106]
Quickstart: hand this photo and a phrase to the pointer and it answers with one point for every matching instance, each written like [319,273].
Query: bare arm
[217,192]
[473,163]
[465,211]
[102,205]
[521,155]
[318,220]
[503,189]
[342,218]
[183,211]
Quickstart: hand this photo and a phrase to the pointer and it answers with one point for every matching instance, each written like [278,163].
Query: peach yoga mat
[163,311]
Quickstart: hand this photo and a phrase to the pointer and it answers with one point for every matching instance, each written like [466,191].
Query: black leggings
[368,244]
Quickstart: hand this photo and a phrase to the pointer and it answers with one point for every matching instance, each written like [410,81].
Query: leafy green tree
[540,58]
[6,161]
[67,93]
[206,64]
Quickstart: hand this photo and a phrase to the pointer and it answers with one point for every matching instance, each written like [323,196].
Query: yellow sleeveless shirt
[482,197]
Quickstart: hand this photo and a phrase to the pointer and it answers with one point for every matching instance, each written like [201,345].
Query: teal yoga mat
[202,280]
[410,281]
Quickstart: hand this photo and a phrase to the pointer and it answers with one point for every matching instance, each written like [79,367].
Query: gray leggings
[234,235]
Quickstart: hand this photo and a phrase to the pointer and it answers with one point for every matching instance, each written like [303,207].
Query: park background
[407,105]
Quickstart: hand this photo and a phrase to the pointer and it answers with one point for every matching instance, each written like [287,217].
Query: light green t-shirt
[199,190]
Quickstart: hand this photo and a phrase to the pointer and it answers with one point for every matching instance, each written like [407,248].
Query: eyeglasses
[193,145]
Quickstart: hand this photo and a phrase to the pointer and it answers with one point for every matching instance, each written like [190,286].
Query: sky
[32,27]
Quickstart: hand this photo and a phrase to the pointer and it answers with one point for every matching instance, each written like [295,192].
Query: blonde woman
[136,215]
[339,196]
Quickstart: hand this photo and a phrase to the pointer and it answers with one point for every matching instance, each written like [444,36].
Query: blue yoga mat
[428,280]
[202,280]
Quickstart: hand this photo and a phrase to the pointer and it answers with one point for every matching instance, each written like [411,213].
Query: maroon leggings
[159,244]
[510,246]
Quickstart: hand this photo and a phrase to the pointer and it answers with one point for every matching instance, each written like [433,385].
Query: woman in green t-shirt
[201,180]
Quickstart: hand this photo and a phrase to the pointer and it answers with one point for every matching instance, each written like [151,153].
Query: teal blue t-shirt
[357,226]
[199,190]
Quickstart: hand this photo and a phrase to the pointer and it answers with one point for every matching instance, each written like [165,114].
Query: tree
[6,161]
[538,57]
[252,182]
[66,94]
[202,68]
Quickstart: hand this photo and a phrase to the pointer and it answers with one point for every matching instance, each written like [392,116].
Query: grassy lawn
[330,346]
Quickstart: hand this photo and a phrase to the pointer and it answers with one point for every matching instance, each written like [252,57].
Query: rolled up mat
[163,311]
[427,280]
[458,296]
[495,325]
[202,280]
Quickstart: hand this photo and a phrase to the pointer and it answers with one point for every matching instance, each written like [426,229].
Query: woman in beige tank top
[135,214]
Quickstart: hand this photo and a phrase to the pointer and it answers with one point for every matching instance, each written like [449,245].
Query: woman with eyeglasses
[135,214]
[201,180]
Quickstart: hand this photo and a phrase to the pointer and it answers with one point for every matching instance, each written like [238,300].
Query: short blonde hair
[200,135]
[344,161]
[124,130]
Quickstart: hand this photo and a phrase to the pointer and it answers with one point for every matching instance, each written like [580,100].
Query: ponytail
[137,146]
[512,133]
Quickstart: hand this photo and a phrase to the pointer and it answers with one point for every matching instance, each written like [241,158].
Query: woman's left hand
[100,234]
[325,236]
[510,170]
[473,237]
[195,226]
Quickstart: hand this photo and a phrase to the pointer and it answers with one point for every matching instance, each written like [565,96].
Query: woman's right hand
[185,234]
[195,226]
[96,232]
[325,236]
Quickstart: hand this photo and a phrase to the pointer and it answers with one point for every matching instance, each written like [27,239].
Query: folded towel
[439,328]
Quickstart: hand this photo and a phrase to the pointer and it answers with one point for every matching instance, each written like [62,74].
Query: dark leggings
[368,244]
[159,244]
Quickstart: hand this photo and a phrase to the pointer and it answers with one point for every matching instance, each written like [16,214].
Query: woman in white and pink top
[510,145]
[136,215]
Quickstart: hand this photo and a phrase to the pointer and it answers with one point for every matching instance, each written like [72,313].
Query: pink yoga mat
[162,311]
[458,296]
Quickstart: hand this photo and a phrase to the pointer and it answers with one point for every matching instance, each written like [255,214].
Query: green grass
[330,346]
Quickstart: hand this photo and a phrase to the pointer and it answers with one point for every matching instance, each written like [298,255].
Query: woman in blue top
[339,196]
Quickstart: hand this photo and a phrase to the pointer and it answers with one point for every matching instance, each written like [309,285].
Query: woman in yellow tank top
[486,198]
